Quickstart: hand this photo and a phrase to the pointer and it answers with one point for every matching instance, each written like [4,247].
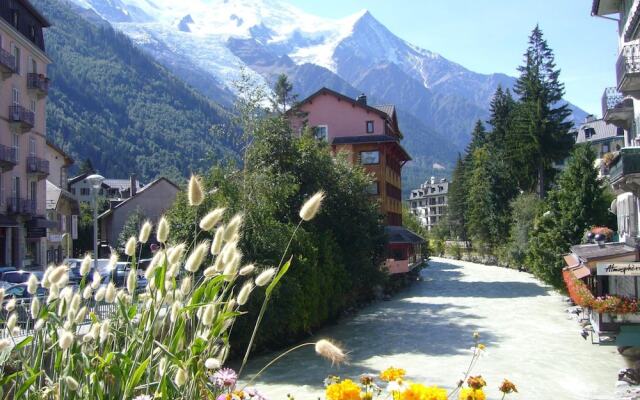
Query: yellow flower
[472,394]
[345,390]
[391,374]
[507,387]
[418,391]
[481,346]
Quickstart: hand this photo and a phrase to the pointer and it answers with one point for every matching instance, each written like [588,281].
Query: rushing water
[427,329]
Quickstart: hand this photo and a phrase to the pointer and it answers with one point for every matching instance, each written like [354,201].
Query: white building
[429,203]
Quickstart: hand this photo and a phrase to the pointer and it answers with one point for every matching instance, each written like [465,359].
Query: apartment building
[23,165]
[429,202]
[370,136]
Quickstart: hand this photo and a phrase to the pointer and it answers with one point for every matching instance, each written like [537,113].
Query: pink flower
[225,377]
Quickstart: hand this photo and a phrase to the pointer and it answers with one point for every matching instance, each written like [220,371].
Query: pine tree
[501,107]
[283,94]
[480,200]
[458,201]
[541,124]
[579,202]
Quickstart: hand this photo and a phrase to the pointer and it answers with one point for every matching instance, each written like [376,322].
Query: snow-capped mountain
[208,42]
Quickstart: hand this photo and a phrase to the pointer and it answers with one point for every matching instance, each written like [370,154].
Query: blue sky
[491,35]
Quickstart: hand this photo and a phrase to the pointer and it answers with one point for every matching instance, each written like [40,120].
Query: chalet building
[23,165]
[112,189]
[429,202]
[370,136]
[62,207]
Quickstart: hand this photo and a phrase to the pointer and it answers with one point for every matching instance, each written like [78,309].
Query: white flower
[71,383]
[132,282]
[181,377]
[175,253]
[104,331]
[39,324]
[46,283]
[110,293]
[175,310]
[233,227]
[35,307]
[243,296]
[397,386]
[53,294]
[113,260]
[1,295]
[79,318]
[247,270]
[56,276]
[211,219]
[163,230]
[208,314]
[4,344]
[100,294]
[210,272]
[310,207]
[96,280]
[195,192]
[32,284]
[185,286]
[145,231]
[130,247]
[196,257]
[11,305]
[86,293]
[212,363]
[330,351]
[85,266]
[231,269]
[66,340]
[216,246]
[12,321]
[265,276]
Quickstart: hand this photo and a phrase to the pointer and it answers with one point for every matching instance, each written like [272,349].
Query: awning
[571,260]
[580,271]
[399,234]
[40,222]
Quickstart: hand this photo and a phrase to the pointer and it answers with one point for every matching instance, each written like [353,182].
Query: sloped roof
[388,109]
[602,130]
[141,192]
[400,234]
[590,252]
[53,195]
[341,96]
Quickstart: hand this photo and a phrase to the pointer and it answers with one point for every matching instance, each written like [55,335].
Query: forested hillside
[115,105]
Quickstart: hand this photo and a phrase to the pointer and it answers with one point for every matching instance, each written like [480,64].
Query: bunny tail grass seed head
[210,220]
[233,227]
[32,284]
[163,230]
[330,351]
[212,363]
[85,266]
[247,270]
[197,256]
[12,321]
[216,245]
[265,277]
[244,293]
[145,232]
[66,340]
[195,194]
[181,377]
[71,383]
[130,248]
[35,307]
[311,207]
[175,253]
[110,293]
[132,282]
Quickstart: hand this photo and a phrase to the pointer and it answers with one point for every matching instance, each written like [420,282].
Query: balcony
[628,70]
[38,167]
[21,119]
[624,170]
[20,206]
[8,157]
[7,64]
[39,84]
[616,109]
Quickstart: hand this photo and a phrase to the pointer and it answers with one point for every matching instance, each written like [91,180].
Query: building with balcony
[114,190]
[23,164]
[369,136]
[62,207]
[429,202]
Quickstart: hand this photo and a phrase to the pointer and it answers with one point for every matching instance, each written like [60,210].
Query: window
[85,192]
[620,131]
[16,54]
[16,96]
[589,132]
[321,132]
[34,66]
[32,105]
[32,147]
[373,188]
[369,157]
[16,145]
[33,192]
[369,126]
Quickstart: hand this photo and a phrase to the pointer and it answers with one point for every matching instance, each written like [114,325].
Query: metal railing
[21,114]
[18,205]
[8,154]
[7,60]
[628,62]
[38,82]
[611,99]
[37,165]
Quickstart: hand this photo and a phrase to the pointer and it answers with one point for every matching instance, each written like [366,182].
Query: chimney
[589,118]
[133,185]
[433,180]
[362,99]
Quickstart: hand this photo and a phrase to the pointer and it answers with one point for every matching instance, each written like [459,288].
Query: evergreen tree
[579,202]
[501,107]
[458,202]
[541,124]
[86,166]
[283,94]
[480,201]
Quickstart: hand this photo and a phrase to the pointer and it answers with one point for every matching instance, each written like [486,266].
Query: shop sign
[619,269]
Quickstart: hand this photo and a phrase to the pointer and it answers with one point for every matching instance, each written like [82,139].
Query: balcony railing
[628,68]
[22,118]
[626,163]
[8,157]
[7,63]
[39,83]
[616,108]
[20,206]
[37,166]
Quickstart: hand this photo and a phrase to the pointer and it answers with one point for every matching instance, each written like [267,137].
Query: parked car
[19,291]
[4,269]
[20,276]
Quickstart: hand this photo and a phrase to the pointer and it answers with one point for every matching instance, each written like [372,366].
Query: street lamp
[95,181]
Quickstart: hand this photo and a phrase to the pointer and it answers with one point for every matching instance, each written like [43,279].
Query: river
[427,330]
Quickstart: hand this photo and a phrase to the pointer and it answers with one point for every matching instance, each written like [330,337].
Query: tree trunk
[541,191]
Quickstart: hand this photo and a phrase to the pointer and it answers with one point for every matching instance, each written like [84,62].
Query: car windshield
[15,277]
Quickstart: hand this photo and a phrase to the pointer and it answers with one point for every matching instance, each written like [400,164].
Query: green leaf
[27,384]
[25,342]
[279,276]
[137,374]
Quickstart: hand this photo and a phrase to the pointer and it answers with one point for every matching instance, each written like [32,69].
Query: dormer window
[589,132]
[370,127]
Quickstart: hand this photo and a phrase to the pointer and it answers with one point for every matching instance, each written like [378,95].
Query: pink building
[370,135]
[23,164]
